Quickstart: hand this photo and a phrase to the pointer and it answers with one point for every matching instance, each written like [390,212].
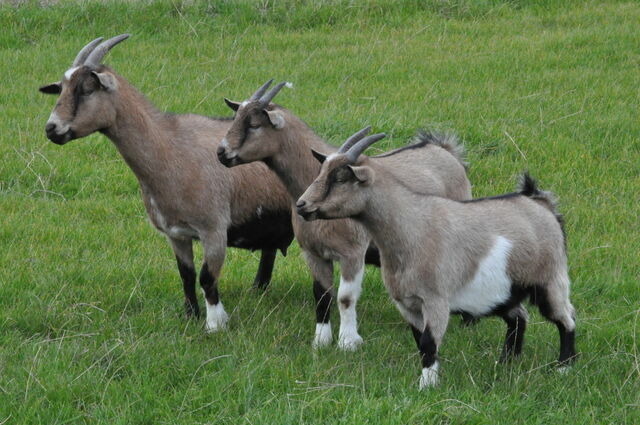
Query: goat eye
[254,126]
[86,91]
[342,176]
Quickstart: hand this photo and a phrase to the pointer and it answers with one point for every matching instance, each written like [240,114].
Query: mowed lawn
[91,320]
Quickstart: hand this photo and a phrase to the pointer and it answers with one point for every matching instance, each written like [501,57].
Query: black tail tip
[528,185]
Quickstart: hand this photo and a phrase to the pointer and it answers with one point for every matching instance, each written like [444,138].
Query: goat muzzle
[306,212]
[51,130]
[226,159]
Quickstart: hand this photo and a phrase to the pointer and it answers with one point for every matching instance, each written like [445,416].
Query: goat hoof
[260,285]
[191,310]
[217,318]
[350,342]
[214,327]
[429,377]
[323,335]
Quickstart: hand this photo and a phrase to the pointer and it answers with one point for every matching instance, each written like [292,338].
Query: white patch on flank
[259,211]
[217,318]
[323,335]
[429,377]
[348,338]
[69,72]
[491,284]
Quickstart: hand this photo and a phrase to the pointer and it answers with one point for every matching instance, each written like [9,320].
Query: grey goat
[482,257]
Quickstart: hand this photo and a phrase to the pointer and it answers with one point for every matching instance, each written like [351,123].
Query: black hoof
[469,320]
[192,311]
[507,357]
[260,285]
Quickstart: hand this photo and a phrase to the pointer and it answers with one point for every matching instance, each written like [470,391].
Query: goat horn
[358,148]
[95,57]
[84,52]
[261,90]
[264,100]
[353,139]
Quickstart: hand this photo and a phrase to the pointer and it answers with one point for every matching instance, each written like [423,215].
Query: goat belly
[490,286]
[267,230]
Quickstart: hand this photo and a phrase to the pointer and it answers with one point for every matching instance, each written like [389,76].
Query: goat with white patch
[482,257]
[263,131]
[187,193]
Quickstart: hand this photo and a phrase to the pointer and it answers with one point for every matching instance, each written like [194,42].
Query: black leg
[416,335]
[209,285]
[323,299]
[428,348]
[567,345]
[516,327]
[468,319]
[188,276]
[265,269]
[567,337]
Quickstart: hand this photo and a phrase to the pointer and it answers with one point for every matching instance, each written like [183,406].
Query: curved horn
[95,57]
[261,90]
[353,139]
[358,148]
[84,52]
[264,100]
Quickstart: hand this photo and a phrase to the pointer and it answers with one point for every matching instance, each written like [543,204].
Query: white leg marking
[348,338]
[217,318]
[429,377]
[323,335]
[490,286]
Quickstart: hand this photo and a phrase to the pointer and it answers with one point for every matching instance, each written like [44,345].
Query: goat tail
[447,141]
[529,187]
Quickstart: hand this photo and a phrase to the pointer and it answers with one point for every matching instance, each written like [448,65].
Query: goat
[266,132]
[482,256]
[187,195]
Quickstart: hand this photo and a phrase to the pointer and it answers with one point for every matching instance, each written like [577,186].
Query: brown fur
[187,193]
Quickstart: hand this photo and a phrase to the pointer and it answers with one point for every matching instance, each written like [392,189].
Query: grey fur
[431,247]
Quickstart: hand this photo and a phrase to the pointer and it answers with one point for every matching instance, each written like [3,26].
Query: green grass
[91,326]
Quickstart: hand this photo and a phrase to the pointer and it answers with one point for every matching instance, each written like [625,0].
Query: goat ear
[275,118]
[317,155]
[364,174]
[53,88]
[231,104]
[106,80]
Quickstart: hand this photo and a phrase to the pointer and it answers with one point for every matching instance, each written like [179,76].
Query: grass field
[91,324]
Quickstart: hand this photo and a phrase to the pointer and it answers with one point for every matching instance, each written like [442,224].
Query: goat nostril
[220,151]
[49,127]
[301,203]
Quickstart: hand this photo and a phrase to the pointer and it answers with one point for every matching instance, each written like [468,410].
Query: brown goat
[187,193]
[482,257]
[266,132]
